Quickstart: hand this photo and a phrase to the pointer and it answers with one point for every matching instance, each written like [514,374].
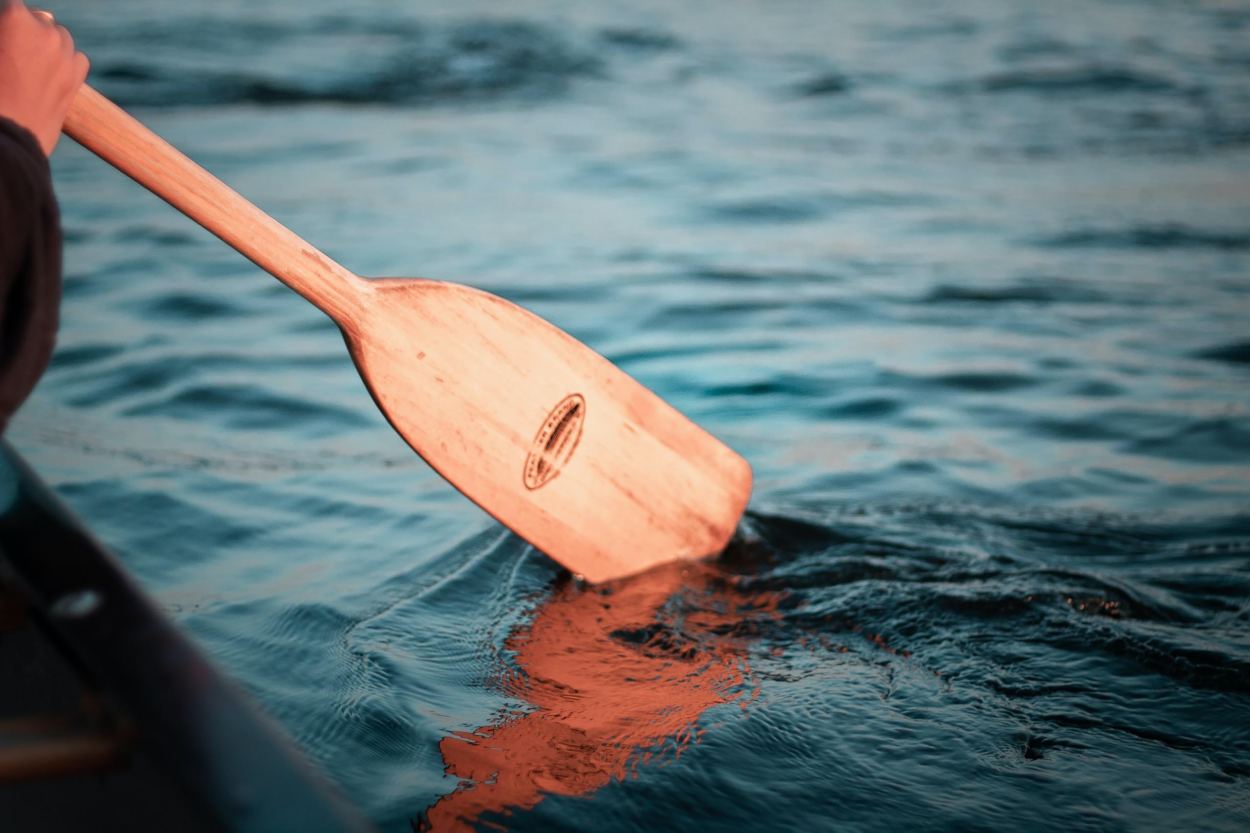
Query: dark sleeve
[30,266]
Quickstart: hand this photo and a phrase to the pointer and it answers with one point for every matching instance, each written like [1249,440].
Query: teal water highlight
[966,282]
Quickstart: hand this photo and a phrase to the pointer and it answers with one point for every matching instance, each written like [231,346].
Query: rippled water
[966,282]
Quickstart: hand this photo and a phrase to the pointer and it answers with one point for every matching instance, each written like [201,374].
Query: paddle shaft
[109,132]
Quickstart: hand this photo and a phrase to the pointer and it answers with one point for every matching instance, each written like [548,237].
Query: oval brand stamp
[555,441]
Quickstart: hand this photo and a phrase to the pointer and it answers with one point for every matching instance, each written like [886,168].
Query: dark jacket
[30,266]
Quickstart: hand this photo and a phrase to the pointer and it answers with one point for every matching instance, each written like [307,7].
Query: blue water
[968,284]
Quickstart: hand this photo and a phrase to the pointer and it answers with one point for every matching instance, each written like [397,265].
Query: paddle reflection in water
[617,676]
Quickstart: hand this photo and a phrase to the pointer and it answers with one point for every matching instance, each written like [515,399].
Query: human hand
[40,71]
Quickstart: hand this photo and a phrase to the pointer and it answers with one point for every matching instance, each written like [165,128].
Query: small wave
[1173,236]
[761,276]
[823,85]
[1092,594]
[145,235]
[1050,588]
[939,28]
[460,62]
[135,377]
[778,386]
[1077,428]
[990,603]
[797,208]
[84,354]
[246,406]
[727,314]
[183,306]
[1100,388]
[865,407]
[1206,441]
[788,209]
[1236,352]
[640,40]
[160,534]
[1035,47]
[1203,666]
[301,623]
[1101,80]
[984,382]
[1022,293]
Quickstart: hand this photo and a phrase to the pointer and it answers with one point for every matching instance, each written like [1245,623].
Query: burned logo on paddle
[555,442]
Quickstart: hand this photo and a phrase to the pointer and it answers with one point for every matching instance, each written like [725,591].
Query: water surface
[966,282]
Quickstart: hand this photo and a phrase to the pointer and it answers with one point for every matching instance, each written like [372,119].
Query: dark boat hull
[110,718]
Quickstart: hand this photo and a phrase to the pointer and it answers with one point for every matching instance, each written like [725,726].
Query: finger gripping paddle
[536,428]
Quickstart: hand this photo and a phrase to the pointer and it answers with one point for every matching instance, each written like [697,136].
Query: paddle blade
[543,433]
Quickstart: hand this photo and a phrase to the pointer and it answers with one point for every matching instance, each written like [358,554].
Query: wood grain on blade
[545,434]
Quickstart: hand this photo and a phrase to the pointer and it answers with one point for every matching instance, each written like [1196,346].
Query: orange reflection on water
[616,676]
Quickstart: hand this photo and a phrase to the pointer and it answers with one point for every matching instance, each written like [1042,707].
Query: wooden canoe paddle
[546,435]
